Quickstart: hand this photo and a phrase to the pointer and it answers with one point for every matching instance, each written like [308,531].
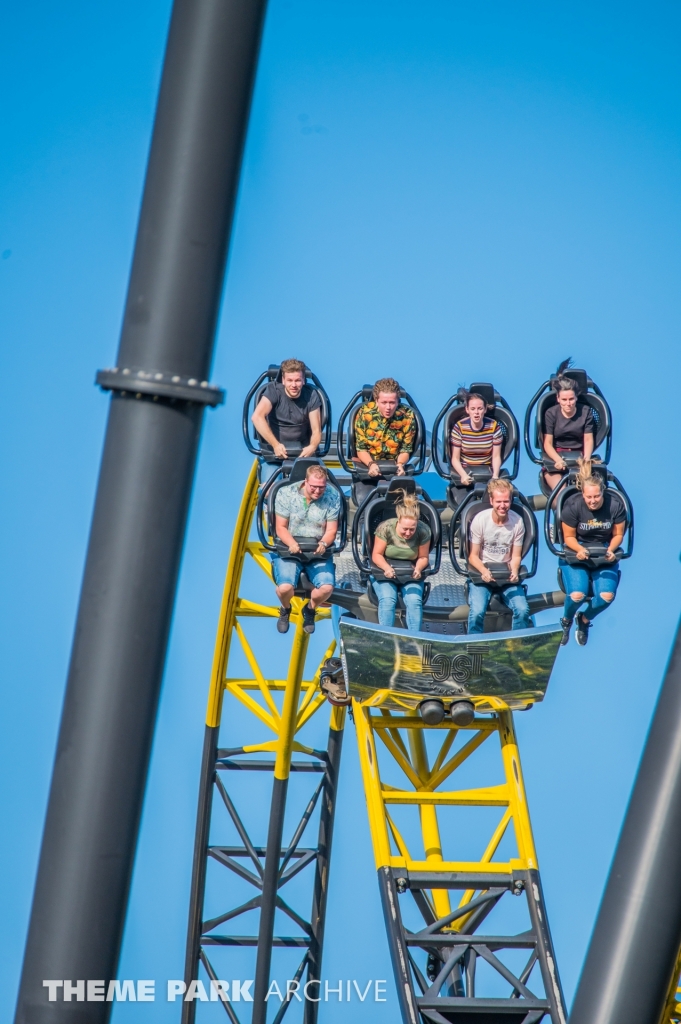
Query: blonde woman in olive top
[407,538]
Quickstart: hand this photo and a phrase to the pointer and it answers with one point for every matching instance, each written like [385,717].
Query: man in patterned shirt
[305,511]
[384,432]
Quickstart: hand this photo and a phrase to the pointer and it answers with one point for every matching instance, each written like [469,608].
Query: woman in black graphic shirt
[595,515]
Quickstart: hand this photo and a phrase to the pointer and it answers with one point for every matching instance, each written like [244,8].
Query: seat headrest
[402,483]
[485,391]
[580,377]
[300,468]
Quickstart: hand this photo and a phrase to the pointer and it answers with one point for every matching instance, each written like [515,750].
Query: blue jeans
[412,595]
[513,596]
[576,580]
[287,570]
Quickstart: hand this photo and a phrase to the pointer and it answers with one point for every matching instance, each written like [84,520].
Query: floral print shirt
[385,439]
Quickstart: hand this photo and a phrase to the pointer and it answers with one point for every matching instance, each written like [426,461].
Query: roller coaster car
[460,529]
[545,397]
[553,528]
[375,509]
[260,447]
[455,409]
[266,523]
[347,449]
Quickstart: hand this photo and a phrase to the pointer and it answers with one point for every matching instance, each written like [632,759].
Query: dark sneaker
[582,631]
[567,626]
[308,618]
[284,620]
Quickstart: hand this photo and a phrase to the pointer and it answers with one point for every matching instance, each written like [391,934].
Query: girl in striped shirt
[475,440]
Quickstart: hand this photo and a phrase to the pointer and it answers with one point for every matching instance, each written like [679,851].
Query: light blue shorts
[287,570]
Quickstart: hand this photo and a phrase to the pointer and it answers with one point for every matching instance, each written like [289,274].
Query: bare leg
[320,594]
[285,593]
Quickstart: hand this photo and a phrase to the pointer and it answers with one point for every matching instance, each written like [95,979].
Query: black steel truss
[443,991]
[249,862]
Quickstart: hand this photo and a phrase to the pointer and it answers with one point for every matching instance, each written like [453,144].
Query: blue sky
[444,192]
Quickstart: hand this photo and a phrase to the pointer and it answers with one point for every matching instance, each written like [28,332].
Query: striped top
[476,445]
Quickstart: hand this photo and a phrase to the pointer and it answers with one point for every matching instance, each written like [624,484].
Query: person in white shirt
[497,539]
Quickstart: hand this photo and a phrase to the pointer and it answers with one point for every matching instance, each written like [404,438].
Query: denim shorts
[287,570]
[576,578]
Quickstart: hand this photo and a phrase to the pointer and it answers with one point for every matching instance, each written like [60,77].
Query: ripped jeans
[576,581]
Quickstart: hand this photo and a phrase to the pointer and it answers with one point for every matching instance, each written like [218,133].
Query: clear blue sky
[440,191]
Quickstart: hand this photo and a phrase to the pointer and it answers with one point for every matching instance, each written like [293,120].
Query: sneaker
[284,620]
[308,618]
[567,626]
[582,631]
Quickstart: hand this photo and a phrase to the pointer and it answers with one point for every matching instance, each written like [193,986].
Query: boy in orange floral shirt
[384,431]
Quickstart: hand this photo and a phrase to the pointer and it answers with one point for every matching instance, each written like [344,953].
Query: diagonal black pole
[159,392]
[637,935]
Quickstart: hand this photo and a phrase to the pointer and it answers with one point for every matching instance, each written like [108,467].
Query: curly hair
[386,385]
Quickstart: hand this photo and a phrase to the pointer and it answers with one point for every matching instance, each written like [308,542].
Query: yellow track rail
[301,697]
[402,739]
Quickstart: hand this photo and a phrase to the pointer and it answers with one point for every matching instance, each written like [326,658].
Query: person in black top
[568,427]
[289,413]
[594,516]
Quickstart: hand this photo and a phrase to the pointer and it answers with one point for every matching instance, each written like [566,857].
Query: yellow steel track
[402,740]
[302,698]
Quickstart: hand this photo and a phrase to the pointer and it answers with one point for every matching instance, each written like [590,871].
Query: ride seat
[255,443]
[461,524]
[347,445]
[377,509]
[454,410]
[553,527]
[266,516]
[545,397]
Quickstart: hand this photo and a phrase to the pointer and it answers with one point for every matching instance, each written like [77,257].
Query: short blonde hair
[499,483]
[316,469]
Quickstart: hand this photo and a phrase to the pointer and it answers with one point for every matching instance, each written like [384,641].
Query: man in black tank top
[288,415]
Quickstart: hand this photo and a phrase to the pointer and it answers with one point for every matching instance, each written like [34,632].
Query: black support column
[140,513]
[637,934]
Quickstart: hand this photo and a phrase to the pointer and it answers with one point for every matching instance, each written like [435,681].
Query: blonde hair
[586,476]
[499,483]
[316,469]
[408,506]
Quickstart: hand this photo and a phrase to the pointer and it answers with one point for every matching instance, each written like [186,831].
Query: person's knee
[577,596]
[285,589]
[608,596]
[326,590]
